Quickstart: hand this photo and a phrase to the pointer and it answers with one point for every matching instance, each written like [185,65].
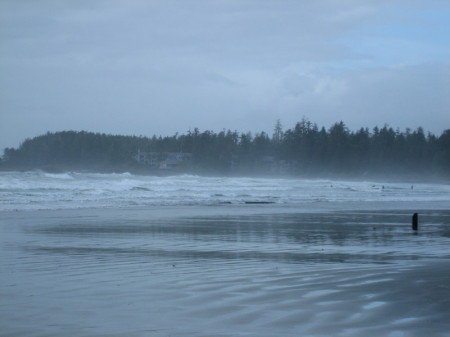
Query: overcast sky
[160,66]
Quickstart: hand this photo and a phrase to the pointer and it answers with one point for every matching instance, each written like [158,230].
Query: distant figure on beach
[415,222]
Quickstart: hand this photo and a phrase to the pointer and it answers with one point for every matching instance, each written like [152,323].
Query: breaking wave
[39,190]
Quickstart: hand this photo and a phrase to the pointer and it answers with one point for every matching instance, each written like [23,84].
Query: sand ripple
[298,275]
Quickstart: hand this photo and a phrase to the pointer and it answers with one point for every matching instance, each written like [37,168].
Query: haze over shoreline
[305,150]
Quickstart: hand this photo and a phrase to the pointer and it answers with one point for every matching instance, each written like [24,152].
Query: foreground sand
[224,272]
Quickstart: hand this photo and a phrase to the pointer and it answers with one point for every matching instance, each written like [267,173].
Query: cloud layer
[160,67]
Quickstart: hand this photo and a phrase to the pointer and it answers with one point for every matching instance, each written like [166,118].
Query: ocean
[37,190]
[89,254]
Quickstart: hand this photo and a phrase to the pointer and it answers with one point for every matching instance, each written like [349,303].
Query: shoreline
[363,177]
[243,209]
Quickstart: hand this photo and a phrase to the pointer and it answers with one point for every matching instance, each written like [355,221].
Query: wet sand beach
[225,271]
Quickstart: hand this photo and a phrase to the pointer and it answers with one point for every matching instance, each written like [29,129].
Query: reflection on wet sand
[328,274]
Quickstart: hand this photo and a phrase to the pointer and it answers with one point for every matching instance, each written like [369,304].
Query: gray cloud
[160,67]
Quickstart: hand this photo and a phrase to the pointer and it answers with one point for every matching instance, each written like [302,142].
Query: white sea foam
[64,176]
[39,190]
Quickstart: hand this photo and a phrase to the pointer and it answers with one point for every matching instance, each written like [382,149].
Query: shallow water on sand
[226,271]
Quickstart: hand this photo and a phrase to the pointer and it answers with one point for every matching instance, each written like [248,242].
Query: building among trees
[304,150]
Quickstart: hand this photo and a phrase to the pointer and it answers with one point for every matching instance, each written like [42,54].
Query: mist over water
[37,190]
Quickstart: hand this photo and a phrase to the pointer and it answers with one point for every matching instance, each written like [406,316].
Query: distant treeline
[305,150]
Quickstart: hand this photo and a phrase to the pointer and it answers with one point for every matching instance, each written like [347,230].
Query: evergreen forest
[304,150]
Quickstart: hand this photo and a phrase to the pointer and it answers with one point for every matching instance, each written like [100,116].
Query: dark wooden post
[415,221]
